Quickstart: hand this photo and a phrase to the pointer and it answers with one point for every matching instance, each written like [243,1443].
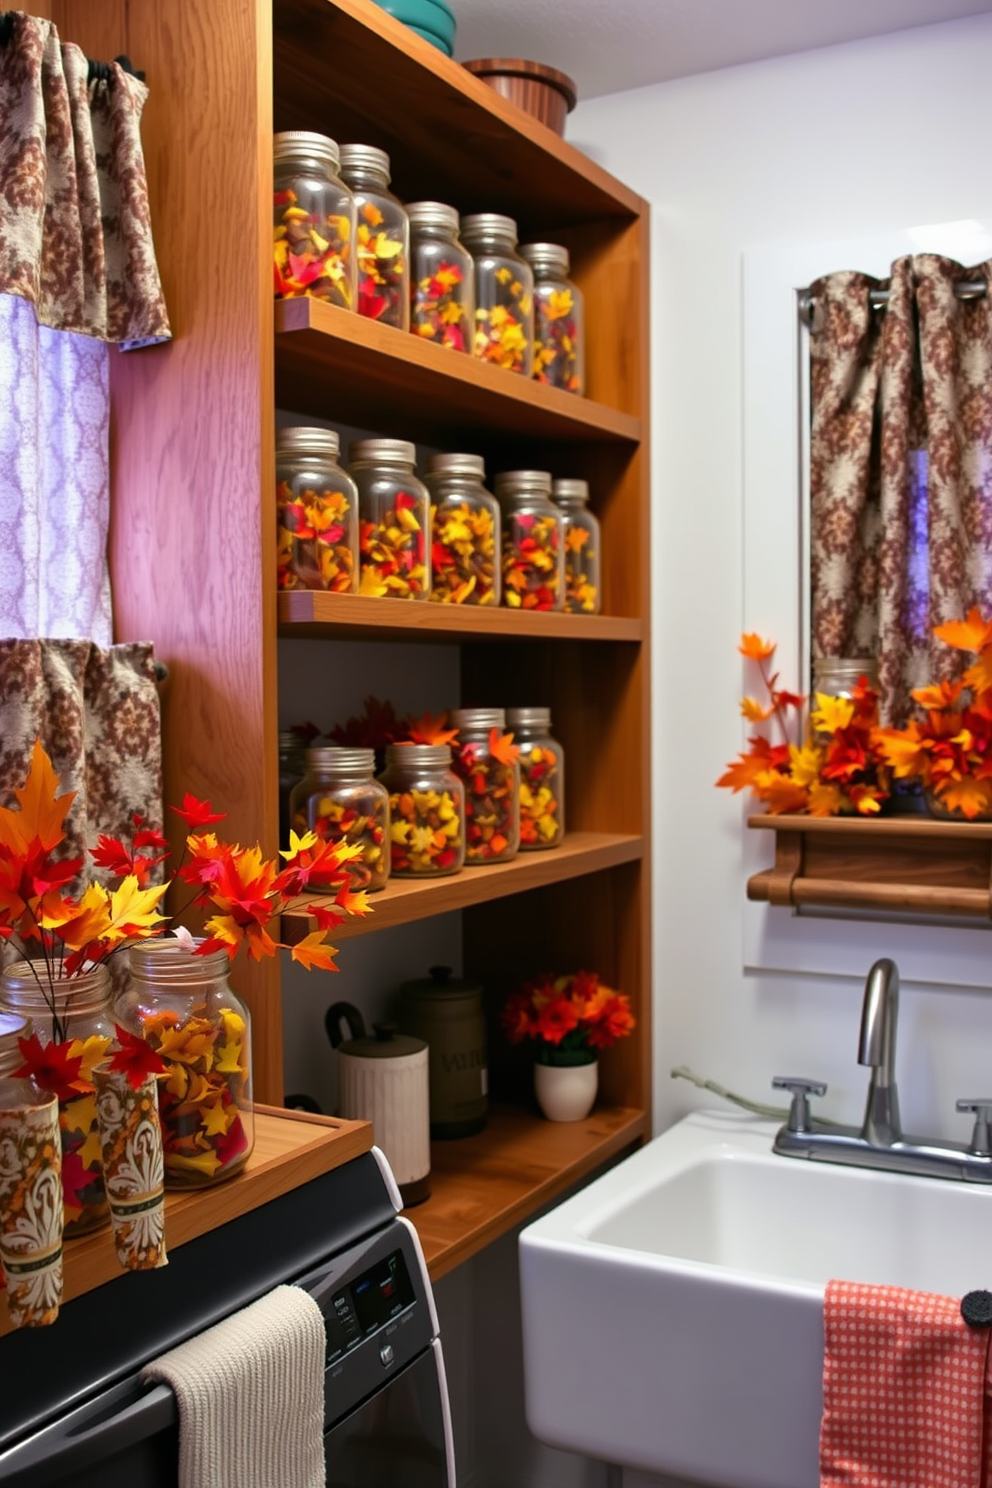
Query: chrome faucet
[879,1141]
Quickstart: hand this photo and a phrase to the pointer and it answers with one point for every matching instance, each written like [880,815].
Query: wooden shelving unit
[193,556]
[906,864]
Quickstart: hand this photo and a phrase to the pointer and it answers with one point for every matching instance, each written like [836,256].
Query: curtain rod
[964,289]
[97,71]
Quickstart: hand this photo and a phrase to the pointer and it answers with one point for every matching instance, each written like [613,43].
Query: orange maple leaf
[780,794]
[971,797]
[938,695]
[754,712]
[42,811]
[979,675]
[502,747]
[971,634]
[313,951]
[752,646]
[430,730]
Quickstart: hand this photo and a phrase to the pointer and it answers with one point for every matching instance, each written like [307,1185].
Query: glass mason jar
[382,237]
[426,810]
[313,221]
[317,513]
[394,520]
[583,586]
[542,778]
[182,1006]
[504,293]
[837,676]
[559,319]
[533,541]
[486,759]
[442,277]
[464,532]
[13,1026]
[82,1025]
[340,800]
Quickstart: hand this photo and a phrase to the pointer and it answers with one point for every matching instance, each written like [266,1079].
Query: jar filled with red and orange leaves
[504,293]
[181,1004]
[465,548]
[72,1018]
[313,221]
[382,237]
[394,520]
[442,280]
[317,513]
[542,778]
[426,810]
[340,800]
[559,319]
[533,541]
[486,759]
[583,586]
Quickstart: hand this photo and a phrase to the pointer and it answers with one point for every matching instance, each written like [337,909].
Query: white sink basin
[673,1309]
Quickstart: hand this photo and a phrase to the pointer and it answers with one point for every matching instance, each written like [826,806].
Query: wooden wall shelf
[406,899]
[482,1186]
[310,612]
[908,864]
[327,357]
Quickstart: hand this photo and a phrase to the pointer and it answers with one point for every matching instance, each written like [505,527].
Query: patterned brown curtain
[901,468]
[97,714]
[75,231]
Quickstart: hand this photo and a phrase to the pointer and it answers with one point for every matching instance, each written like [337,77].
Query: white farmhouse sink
[673,1309]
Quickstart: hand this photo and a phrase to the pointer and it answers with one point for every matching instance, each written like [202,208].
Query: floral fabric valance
[75,232]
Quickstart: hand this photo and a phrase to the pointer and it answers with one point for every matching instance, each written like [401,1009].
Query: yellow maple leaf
[753,711]
[215,1120]
[824,799]
[132,910]
[804,764]
[831,714]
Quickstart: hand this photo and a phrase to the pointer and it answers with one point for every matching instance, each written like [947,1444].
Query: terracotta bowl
[542,92]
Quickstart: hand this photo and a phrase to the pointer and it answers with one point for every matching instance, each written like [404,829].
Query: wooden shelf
[329,358]
[910,864]
[407,899]
[290,1148]
[309,612]
[482,1186]
[438,122]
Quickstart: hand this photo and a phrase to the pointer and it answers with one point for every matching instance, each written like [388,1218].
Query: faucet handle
[981,1136]
[800,1089]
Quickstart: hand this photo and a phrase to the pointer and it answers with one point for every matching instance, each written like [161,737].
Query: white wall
[844,142]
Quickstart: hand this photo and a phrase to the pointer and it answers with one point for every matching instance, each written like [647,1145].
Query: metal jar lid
[338,760]
[304,145]
[478,718]
[479,226]
[529,720]
[546,257]
[473,465]
[383,452]
[432,214]
[364,158]
[570,490]
[308,440]
[418,756]
[515,482]
[440,986]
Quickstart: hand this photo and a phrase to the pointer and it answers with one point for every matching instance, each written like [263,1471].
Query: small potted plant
[568,1019]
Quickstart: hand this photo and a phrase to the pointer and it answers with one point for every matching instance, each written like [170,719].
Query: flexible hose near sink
[757,1108]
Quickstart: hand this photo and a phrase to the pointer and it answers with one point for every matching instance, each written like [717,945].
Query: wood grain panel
[288,1151]
[330,361]
[349,70]
[484,1185]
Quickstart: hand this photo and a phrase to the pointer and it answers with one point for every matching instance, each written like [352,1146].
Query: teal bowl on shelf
[425,16]
[432,37]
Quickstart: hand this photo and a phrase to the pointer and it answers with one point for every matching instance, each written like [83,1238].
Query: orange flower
[569,1013]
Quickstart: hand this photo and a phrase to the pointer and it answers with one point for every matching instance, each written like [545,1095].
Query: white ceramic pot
[566,1092]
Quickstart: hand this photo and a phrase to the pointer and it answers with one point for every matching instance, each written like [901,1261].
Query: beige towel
[251,1396]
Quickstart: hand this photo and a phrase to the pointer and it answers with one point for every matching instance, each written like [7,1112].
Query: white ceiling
[610,45]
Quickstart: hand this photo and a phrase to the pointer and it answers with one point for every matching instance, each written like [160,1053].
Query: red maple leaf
[135,1058]
[51,1067]
[196,813]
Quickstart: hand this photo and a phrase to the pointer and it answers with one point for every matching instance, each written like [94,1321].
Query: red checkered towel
[905,1385]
